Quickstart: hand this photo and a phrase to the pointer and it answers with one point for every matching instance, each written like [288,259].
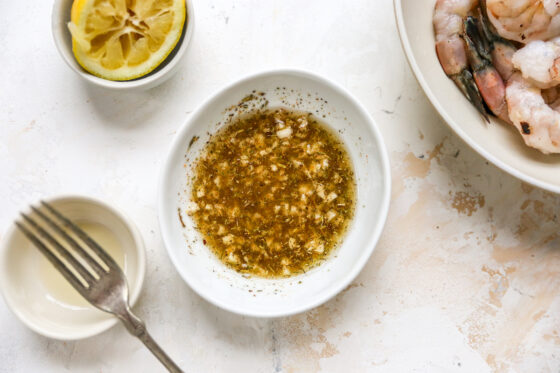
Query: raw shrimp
[534,118]
[539,62]
[531,110]
[530,99]
[525,20]
[450,46]
[487,78]
[501,51]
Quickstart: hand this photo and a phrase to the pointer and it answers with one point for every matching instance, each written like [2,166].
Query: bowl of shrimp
[491,68]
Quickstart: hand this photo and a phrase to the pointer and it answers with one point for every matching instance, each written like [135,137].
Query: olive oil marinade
[273,193]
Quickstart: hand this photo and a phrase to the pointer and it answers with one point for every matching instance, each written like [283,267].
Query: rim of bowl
[149,80]
[405,42]
[88,331]
[369,247]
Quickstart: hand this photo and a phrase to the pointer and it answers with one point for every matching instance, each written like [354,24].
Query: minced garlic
[273,193]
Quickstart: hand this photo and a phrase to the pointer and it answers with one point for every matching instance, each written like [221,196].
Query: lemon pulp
[125,39]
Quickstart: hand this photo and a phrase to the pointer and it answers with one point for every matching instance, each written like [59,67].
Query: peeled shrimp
[530,99]
[525,20]
[450,46]
[539,62]
[534,118]
[534,112]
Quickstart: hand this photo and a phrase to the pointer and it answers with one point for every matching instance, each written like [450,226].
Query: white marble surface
[465,278]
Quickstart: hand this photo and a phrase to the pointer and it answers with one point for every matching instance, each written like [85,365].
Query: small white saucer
[41,298]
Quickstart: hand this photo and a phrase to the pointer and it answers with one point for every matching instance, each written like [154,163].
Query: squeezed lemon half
[125,39]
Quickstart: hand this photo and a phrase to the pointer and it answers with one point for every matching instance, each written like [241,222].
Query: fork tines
[79,267]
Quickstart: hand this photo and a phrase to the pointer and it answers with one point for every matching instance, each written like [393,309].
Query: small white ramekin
[63,42]
[26,293]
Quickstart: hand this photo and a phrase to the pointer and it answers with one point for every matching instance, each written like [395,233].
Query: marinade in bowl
[273,193]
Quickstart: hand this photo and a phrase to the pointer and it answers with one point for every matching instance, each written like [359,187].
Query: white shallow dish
[63,41]
[255,296]
[497,142]
[60,312]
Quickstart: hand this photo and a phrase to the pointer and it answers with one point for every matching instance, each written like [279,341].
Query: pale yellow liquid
[57,288]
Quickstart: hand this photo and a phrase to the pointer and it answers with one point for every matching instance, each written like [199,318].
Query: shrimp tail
[500,50]
[453,59]
[477,47]
[489,30]
[466,83]
[487,78]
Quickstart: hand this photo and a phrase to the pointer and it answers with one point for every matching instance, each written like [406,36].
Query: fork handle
[137,328]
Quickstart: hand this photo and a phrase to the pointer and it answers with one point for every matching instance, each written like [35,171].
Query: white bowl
[259,297]
[498,142]
[63,42]
[41,298]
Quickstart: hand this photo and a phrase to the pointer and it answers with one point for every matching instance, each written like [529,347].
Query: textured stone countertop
[464,279]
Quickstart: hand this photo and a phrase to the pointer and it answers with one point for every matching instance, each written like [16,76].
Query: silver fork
[105,288]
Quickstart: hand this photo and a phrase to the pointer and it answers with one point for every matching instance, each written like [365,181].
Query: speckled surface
[466,275]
